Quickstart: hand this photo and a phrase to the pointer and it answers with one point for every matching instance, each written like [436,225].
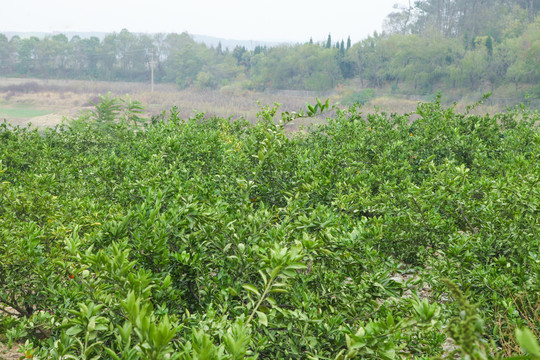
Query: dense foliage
[462,18]
[457,45]
[177,59]
[370,237]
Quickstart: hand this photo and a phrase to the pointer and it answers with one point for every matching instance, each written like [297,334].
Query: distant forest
[426,46]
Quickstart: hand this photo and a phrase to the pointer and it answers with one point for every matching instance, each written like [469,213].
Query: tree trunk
[473,29]
[439,16]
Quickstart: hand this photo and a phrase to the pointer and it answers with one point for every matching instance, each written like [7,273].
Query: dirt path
[10,354]
[48,120]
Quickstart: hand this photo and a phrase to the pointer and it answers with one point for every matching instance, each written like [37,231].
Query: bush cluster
[217,239]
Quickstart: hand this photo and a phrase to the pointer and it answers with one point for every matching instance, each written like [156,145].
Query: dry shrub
[527,305]
[28,87]
[69,96]
[9,95]
[94,99]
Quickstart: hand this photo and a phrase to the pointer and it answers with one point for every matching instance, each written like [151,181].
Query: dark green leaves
[211,238]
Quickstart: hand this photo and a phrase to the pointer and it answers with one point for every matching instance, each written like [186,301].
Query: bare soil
[10,354]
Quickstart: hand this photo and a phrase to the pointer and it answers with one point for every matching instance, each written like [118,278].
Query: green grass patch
[22,112]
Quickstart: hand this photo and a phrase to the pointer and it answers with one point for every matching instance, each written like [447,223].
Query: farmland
[368,236]
[46,102]
[69,98]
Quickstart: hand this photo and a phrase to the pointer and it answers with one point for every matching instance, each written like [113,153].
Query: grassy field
[22,112]
[46,102]
[68,98]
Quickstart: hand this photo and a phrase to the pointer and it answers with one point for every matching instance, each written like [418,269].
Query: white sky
[277,20]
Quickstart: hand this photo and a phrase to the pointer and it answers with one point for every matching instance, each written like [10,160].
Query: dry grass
[391,105]
[10,354]
[527,306]
[402,106]
[67,98]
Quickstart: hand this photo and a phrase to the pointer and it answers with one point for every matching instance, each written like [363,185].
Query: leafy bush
[361,97]
[212,238]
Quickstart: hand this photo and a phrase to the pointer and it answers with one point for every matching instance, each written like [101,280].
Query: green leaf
[262,318]
[252,289]
[92,324]
[297,266]
[265,279]
[527,341]
[278,290]
[167,281]
[74,330]
[275,272]
[112,353]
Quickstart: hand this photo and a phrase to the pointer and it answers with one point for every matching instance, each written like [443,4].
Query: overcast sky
[271,20]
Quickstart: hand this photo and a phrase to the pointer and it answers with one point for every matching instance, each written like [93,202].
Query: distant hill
[210,41]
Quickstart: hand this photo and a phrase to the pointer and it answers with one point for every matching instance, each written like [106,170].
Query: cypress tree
[489,46]
[329,42]
[219,50]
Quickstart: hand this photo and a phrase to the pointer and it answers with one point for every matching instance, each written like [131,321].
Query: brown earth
[10,354]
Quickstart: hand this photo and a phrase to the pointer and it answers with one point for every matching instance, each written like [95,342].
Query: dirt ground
[13,352]
[10,354]
[49,120]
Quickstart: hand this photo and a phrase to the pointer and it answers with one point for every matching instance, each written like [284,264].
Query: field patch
[22,112]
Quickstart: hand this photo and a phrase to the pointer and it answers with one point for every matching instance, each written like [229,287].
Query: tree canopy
[427,46]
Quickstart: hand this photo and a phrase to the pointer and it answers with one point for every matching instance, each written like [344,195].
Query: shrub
[211,238]
[361,97]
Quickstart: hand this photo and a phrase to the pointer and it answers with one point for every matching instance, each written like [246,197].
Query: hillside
[462,48]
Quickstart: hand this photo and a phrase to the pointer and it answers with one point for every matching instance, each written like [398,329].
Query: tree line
[176,58]
[459,44]
[426,46]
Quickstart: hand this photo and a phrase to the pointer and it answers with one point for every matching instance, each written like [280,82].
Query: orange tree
[212,238]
